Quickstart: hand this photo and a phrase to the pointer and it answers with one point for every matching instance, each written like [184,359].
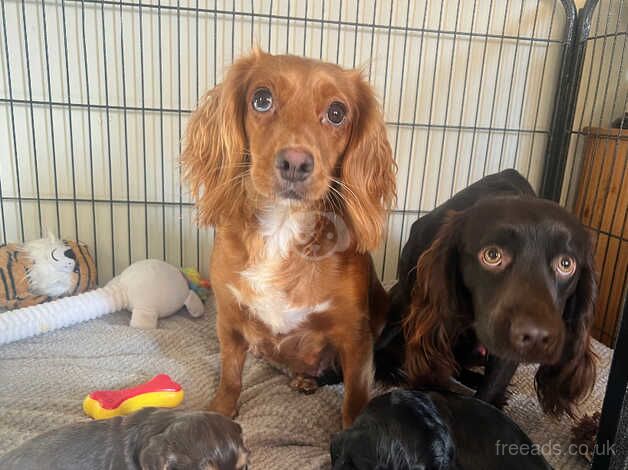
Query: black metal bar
[446,117]
[324,22]
[399,106]
[216,19]
[287,29]
[198,91]
[525,80]
[32,116]
[108,127]
[464,97]
[597,152]
[141,202]
[90,146]
[52,124]
[161,135]
[612,221]
[322,28]
[579,132]
[429,120]
[2,218]
[179,131]
[12,113]
[578,27]
[143,98]
[426,125]
[494,99]
[216,57]
[512,81]
[614,398]
[372,39]
[427,139]
[602,36]
[197,55]
[270,24]
[586,98]
[355,32]
[305,27]
[69,91]
[615,262]
[339,32]
[126,138]
[615,100]
[232,35]
[477,103]
[540,93]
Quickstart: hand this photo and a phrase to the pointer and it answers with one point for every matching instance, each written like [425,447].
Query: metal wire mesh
[594,183]
[95,95]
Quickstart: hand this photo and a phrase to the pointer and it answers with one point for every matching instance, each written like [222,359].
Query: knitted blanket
[43,381]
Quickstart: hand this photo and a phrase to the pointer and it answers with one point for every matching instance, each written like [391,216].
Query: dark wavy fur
[407,430]
[433,323]
[151,439]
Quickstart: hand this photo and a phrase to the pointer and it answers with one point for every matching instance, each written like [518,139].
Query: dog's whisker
[343,185]
[343,198]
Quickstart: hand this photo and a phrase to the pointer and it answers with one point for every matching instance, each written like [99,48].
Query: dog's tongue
[482,351]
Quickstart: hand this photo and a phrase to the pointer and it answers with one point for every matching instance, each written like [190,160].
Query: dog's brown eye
[336,113]
[262,100]
[492,256]
[564,265]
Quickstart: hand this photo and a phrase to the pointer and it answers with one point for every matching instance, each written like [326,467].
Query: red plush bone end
[112,399]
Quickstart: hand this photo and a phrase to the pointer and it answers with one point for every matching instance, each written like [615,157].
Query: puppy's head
[289,130]
[401,430]
[192,441]
[524,265]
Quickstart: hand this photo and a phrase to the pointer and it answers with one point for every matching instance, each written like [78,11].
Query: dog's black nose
[294,164]
[528,337]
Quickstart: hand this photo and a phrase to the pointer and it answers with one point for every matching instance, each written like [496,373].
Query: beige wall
[451,132]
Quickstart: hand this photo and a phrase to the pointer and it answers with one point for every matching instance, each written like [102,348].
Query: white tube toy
[151,289]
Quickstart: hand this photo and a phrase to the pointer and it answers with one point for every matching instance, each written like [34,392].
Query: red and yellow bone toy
[161,391]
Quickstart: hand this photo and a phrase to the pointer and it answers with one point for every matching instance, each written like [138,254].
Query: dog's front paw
[306,385]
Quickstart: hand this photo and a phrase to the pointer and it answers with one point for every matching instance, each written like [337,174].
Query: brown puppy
[151,439]
[289,159]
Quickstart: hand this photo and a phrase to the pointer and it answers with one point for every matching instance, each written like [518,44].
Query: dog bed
[43,381]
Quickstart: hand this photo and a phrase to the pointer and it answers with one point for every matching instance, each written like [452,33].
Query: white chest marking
[280,227]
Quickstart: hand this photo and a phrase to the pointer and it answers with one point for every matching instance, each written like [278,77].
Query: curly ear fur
[429,356]
[368,171]
[215,146]
[560,386]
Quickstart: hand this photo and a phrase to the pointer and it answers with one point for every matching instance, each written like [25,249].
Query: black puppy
[408,430]
[151,439]
[494,277]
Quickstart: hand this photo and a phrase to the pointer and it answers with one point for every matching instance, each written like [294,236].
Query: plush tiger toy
[42,270]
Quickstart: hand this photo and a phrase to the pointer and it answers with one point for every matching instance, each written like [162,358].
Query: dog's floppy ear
[368,170]
[215,145]
[429,357]
[560,386]
[335,449]
[155,455]
[344,445]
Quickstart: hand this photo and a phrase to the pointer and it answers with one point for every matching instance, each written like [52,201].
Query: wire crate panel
[95,95]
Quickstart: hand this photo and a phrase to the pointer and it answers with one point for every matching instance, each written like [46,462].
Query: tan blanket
[43,381]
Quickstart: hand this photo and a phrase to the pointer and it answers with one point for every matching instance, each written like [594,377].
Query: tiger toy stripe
[44,269]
